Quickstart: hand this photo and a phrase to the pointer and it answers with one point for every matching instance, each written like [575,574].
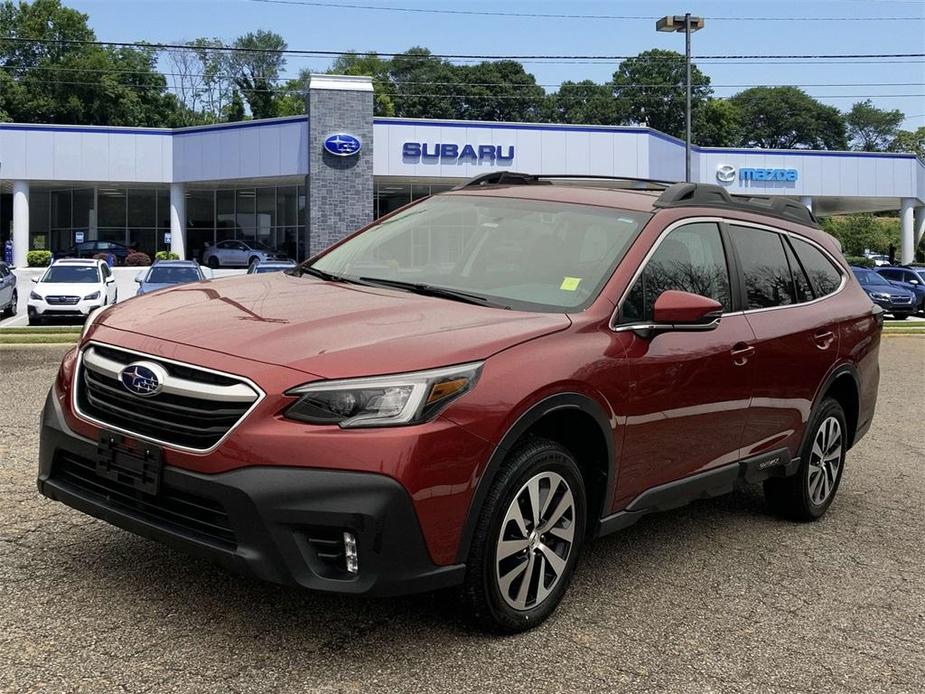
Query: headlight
[382,400]
[33,295]
[90,297]
[879,295]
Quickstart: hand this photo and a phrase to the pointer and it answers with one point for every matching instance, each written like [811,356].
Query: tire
[253,261]
[900,316]
[36,320]
[807,495]
[10,310]
[494,590]
[212,262]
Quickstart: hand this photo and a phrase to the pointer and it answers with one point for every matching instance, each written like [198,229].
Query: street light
[688,25]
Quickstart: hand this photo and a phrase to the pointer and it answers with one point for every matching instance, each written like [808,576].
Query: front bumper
[81,308]
[275,523]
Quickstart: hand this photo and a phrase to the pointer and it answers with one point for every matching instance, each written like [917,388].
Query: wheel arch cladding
[574,421]
[842,385]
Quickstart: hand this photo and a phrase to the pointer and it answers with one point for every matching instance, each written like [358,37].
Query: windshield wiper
[299,270]
[431,290]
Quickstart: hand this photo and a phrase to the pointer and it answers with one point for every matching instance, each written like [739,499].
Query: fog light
[350,552]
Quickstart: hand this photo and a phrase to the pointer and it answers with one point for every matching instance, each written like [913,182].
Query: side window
[767,275]
[824,277]
[801,286]
[689,259]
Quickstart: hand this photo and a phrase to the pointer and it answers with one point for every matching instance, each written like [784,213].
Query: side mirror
[676,310]
[110,280]
[138,278]
[35,280]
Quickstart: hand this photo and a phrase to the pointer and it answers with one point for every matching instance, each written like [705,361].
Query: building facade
[301,183]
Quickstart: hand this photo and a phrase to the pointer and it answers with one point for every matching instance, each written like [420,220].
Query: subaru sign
[726,173]
[342,144]
[451,153]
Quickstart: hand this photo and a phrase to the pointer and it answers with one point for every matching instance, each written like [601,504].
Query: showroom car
[892,298]
[89,249]
[168,273]
[71,288]
[430,404]
[912,279]
[239,254]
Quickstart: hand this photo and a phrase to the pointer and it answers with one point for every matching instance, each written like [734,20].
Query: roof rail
[514,178]
[712,195]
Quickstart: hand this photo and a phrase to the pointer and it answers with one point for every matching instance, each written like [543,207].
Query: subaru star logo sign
[143,378]
[342,144]
[725,173]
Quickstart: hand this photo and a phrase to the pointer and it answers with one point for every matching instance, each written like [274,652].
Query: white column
[807,202]
[906,230]
[20,222]
[918,226]
[178,219]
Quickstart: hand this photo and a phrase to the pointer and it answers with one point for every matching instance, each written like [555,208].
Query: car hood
[331,330]
[80,289]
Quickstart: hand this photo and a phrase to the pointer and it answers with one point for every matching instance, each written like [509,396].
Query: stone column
[918,226]
[20,222]
[907,254]
[340,186]
[178,219]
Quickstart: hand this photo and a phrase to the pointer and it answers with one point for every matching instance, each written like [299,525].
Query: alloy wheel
[825,459]
[535,541]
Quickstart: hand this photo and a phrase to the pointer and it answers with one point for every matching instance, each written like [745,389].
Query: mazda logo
[143,378]
[725,173]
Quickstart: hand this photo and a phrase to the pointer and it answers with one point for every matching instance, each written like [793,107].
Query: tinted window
[767,275]
[175,274]
[889,274]
[870,278]
[3,271]
[803,290]
[823,275]
[78,274]
[689,259]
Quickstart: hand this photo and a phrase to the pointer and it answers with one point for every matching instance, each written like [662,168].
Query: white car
[71,288]
[233,253]
[880,260]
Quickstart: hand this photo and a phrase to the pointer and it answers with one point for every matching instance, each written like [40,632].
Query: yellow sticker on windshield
[570,284]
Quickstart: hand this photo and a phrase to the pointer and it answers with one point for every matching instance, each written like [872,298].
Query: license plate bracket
[129,461]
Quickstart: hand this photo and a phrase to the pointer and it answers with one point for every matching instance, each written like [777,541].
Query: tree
[872,129]
[788,118]
[499,91]
[372,65]
[424,86]
[910,141]
[651,89]
[717,123]
[583,102]
[234,110]
[256,65]
[200,78]
[861,232]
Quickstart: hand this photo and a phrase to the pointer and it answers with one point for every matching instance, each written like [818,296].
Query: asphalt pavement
[716,597]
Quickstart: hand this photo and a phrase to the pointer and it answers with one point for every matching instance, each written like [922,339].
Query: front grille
[194,410]
[901,299]
[61,300]
[171,508]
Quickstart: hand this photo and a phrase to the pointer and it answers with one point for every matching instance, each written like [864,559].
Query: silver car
[236,253]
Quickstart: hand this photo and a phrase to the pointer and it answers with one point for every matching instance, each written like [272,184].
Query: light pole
[688,25]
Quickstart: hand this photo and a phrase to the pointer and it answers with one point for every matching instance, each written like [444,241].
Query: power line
[544,15]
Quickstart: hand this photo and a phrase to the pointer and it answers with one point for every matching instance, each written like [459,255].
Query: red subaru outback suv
[467,390]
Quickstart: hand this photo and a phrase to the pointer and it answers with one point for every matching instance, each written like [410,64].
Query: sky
[776,27]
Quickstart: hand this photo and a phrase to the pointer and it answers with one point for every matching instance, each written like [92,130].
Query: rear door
[7,281]
[785,284]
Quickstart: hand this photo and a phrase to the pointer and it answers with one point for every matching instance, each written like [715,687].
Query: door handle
[741,353]
[823,338]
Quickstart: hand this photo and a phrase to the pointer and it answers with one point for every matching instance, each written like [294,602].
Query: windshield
[260,269]
[260,245]
[526,254]
[72,274]
[869,277]
[172,275]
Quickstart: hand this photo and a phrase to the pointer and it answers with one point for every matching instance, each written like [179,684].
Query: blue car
[261,267]
[168,273]
[909,278]
[888,296]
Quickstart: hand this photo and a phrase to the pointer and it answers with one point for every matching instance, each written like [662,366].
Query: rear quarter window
[823,275]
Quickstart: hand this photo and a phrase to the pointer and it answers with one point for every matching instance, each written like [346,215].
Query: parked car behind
[168,273]
[71,288]
[270,266]
[8,296]
[562,361]
[88,249]
[890,297]
[239,254]
[911,279]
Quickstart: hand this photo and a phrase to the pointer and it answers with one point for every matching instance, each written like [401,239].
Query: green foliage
[424,86]
[717,123]
[639,84]
[166,255]
[860,232]
[910,141]
[583,102]
[38,258]
[372,65]
[860,261]
[137,259]
[872,129]
[500,91]
[786,118]
[234,112]
[257,68]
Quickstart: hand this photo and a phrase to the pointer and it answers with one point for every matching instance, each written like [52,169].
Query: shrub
[102,256]
[860,261]
[166,255]
[137,259]
[38,258]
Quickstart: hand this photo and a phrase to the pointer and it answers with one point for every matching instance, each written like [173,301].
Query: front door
[689,392]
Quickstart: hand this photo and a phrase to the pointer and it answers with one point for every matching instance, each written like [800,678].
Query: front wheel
[528,539]
[36,320]
[212,262]
[807,495]
[900,316]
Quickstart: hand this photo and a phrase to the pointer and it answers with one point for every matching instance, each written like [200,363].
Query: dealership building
[301,183]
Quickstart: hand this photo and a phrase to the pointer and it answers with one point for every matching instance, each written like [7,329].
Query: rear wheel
[528,538]
[807,495]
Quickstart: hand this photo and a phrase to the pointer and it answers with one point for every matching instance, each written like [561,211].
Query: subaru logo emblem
[342,144]
[143,378]
[725,173]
